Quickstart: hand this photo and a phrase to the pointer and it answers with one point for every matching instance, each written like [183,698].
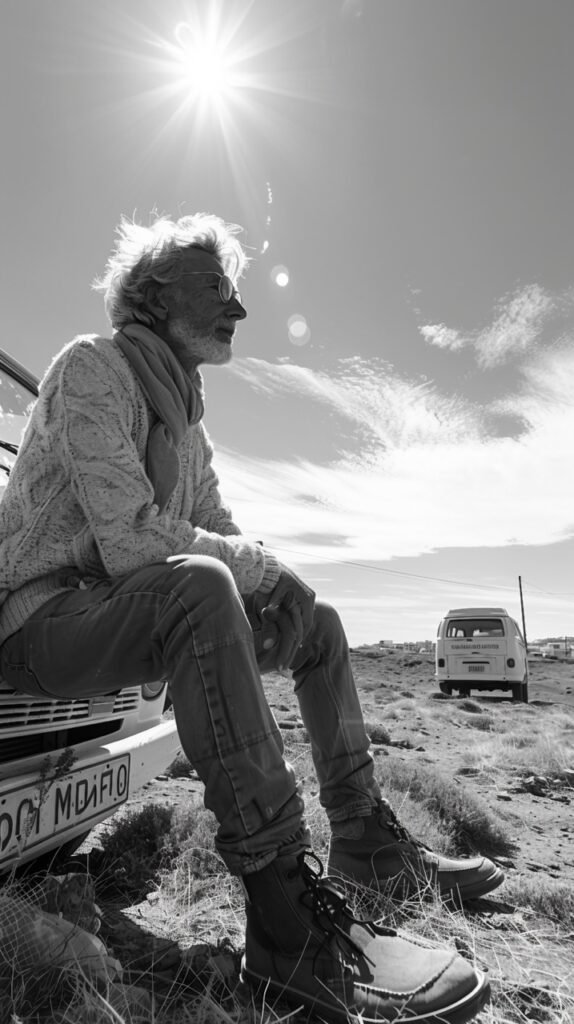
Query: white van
[481,649]
[66,765]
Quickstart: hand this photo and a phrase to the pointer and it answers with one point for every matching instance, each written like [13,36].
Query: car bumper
[42,810]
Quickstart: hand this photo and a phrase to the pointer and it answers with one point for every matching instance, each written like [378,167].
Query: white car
[66,765]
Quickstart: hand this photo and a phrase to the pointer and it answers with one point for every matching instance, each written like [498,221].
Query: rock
[535,784]
[33,939]
[380,734]
[505,862]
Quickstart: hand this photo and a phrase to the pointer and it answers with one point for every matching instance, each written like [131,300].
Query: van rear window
[461,629]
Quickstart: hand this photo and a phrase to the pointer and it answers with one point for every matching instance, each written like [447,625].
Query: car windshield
[16,401]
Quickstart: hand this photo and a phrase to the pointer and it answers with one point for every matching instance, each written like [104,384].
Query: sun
[210,62]
[206,63]
[216,70]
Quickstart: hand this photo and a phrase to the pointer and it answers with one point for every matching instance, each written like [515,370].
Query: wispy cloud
[518,325]
[444,337]
[385,408]
[432,477]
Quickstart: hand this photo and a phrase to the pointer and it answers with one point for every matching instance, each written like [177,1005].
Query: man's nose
[236,309]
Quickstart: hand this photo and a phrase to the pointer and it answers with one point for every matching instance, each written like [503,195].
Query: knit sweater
[79,506]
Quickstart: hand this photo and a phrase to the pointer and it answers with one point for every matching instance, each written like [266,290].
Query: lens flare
[280,276]
[298,330]
[265,245]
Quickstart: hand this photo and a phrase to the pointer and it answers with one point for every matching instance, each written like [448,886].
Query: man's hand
[290,608]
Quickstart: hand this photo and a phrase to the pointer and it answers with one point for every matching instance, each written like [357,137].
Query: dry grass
[524,939]
[427,798]
[523,747]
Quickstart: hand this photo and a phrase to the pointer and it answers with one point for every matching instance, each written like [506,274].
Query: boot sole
[402,888]
[457,1013]
[474,891]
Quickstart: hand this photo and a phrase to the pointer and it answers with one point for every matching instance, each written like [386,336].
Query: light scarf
[173,395]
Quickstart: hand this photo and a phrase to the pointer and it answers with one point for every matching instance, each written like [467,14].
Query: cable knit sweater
[78,505]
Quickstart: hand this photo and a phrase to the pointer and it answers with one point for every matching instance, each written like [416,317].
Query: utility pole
[522,612]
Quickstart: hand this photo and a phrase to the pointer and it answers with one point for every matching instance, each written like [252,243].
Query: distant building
[417,646]
[557,649]
[561,648]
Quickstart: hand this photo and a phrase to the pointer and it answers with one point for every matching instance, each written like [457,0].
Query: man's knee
[201,578]
[326,620]
[326,638]
[209,571]
[201,600]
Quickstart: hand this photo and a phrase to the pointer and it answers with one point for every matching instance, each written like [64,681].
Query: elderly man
[122,565]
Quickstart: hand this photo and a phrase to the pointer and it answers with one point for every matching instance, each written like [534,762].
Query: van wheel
[445,688]
[520,692]
[464,691]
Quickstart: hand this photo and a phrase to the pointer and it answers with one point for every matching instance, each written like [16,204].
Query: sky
[397,420]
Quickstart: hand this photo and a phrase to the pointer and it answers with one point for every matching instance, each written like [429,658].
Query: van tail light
[510,662]
[440,662]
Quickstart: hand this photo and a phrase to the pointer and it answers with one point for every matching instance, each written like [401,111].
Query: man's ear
[155,305]
[159,311]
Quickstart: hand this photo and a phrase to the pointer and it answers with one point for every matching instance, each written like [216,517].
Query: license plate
[30,815]
[475,668]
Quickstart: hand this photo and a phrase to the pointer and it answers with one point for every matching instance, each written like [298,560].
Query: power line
[392,572]
[549,593]
[412,575]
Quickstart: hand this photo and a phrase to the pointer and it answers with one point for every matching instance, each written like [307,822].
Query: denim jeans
[185,621]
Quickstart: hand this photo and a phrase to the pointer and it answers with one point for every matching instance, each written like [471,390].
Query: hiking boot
[304,946]
[379,853]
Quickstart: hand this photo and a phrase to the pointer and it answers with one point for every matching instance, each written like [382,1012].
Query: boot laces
[393,823]
[330,909]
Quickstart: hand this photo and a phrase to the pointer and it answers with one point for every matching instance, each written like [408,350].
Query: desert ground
[400,691]
[516,760]
[465,774]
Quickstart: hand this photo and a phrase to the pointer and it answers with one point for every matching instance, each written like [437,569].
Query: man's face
[199,325]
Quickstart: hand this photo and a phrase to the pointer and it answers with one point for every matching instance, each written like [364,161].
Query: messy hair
[145,258]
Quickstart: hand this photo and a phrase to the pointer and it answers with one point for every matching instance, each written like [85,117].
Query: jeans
[185,621]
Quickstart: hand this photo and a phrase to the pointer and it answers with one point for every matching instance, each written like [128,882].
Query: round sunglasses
[226,288]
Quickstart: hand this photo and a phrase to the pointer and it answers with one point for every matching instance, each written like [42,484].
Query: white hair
[147,257]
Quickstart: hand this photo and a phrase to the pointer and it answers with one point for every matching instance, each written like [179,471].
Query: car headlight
[152,690]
